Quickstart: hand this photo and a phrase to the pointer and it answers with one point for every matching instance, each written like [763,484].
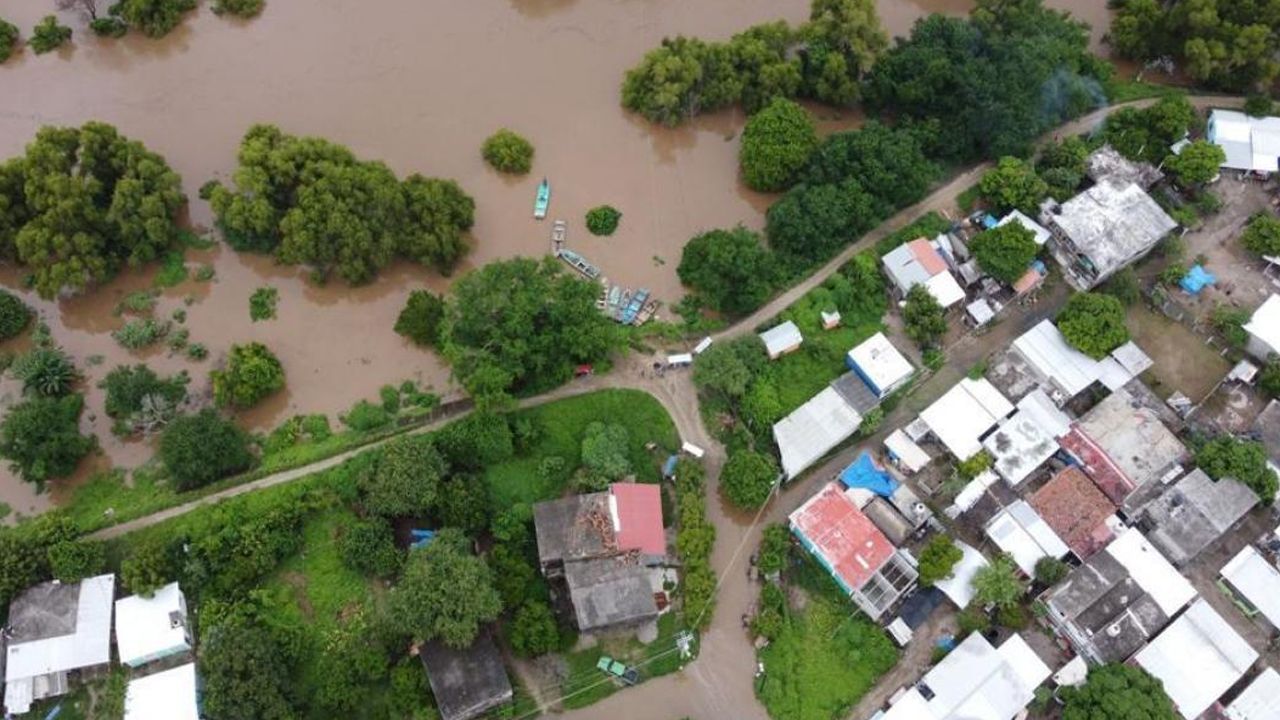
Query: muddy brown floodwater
[418,84]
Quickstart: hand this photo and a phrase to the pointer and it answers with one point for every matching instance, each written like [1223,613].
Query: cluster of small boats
[619,303]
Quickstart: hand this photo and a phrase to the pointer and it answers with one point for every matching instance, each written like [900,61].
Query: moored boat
[543,200]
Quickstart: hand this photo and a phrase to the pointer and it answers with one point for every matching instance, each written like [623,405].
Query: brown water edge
[418,85]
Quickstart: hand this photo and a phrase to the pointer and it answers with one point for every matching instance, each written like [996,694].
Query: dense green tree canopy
[605,450]
[1094,324]
[812,222]
[823,60]
[1262,235]
[1013,185]
[1198,163]
[533,631]
[312,202]
[602,220]
[748,478]
[728,367]
[776,144]
[731,270]
[1146,133]
[938,558]
[405,480]
[1005,252]
[48,35]
[923,316]
[508,152]
[1114,691]
[994,82]
[890,164]
[40,437]
[445,592]
[14,315]
[82,202]
[522,325]
[155,18]
[421,317]
[1244,460]
[142,399]
[1226,44]
[998,583]
[252,372]
[199,449]
[248,654]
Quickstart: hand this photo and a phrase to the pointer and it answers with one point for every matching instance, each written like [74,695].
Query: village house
[466,683]
[965,414]
[1019,531]
[167,695]
[609,550]
[1106,163]
[1122,596]
[1254,581]
[919,263]
[1260,700]
[1042,357]
[880,365]
[863,562]
[1197,658]
[813,429]
[1266,427]
[1077,511]
[1251,144]
[154,628]
[1103,229]
[781,339]
[1264,330]
[57,633]
[1193,513]
[975,681]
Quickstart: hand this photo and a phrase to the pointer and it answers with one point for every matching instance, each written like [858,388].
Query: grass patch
[562,424]
[968,199]
[173,270]
[1122,91]
[824,661]
[321,586]
[587,685]
[928,226]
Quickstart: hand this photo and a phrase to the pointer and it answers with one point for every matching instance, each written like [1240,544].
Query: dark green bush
[508,152]
[603,219]
[14,314]
[202,448]
[48,35]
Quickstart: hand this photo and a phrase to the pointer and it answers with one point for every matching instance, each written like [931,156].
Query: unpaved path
[720,684]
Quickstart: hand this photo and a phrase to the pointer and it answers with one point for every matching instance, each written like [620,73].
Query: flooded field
[418,85]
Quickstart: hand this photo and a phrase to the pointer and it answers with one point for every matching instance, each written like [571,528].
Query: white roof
[680,359]
[1132,358]
[1151,570]
[963,415]
[145,627]
[702,346]
[781,338]
[1042,234]
[87,646]
[976,681]
[911,455]
[1073,673]
[1049,353]
[1250,143]
[813,429]
[1257,580]
[1019,446]
[1020,531]
[1198,658]
[1260,700]
[1047,415]
[1265,323]
[944,288]
[973,491]
[980,310]
[959,587]
[168,695]
[880,362]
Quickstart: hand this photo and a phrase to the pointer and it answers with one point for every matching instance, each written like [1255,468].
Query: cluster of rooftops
[1105,485]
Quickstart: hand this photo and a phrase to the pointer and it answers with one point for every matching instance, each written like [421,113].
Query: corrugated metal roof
[964,414]
[1257,580]
[168,695]
[1070,370]
[813,429]
[1221,658]
[88,645]
[1021,532]
[1260,700]
[782,338]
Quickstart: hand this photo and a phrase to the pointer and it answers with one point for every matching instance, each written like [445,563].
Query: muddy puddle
[418,85]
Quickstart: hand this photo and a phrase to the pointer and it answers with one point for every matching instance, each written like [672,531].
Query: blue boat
[633,307]
[543,200]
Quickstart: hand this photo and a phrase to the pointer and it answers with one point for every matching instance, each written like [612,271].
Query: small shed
[903,450]
[980,312]
[880,365]
[149,629]
[466,683]
[830,319]
[782,339]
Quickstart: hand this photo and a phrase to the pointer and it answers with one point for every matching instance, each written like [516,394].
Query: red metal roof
[1028,282]
[638,509]
[1104,471]
[845,539]
[927,256]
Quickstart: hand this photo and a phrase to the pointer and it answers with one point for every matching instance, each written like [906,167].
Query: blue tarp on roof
[989,221]
[864,473]
[1198,279]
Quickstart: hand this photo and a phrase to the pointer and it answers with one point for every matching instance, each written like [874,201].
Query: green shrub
[533,631]
[605,450]
[938,559]
[1051,570]
[110,26]
[8,39]
[197,351]
[262,303]
[748,478]
[365,416]
[45,371]
[1258,106]
[603,219]
[252,373]
[508,152]
[14,315]
[153,564]
[202,448]
[239,8]
[40,437]
[1123,286]
[139,333]
[421,317]
[1244,460]
[48,35]
[155,18]
[73,561]
[973,619]
[390,399]
[1230,322]
[775,541]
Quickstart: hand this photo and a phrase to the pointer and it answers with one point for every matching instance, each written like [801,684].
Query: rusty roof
[1076,510]
[927,256]
[1104,471]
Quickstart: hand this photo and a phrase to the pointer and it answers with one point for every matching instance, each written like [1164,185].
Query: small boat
[558,230]
[633,308]
[543,200]
[579,263]
[648,311]
[615,296]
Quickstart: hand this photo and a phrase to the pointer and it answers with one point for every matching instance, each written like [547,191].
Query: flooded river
[418,84]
